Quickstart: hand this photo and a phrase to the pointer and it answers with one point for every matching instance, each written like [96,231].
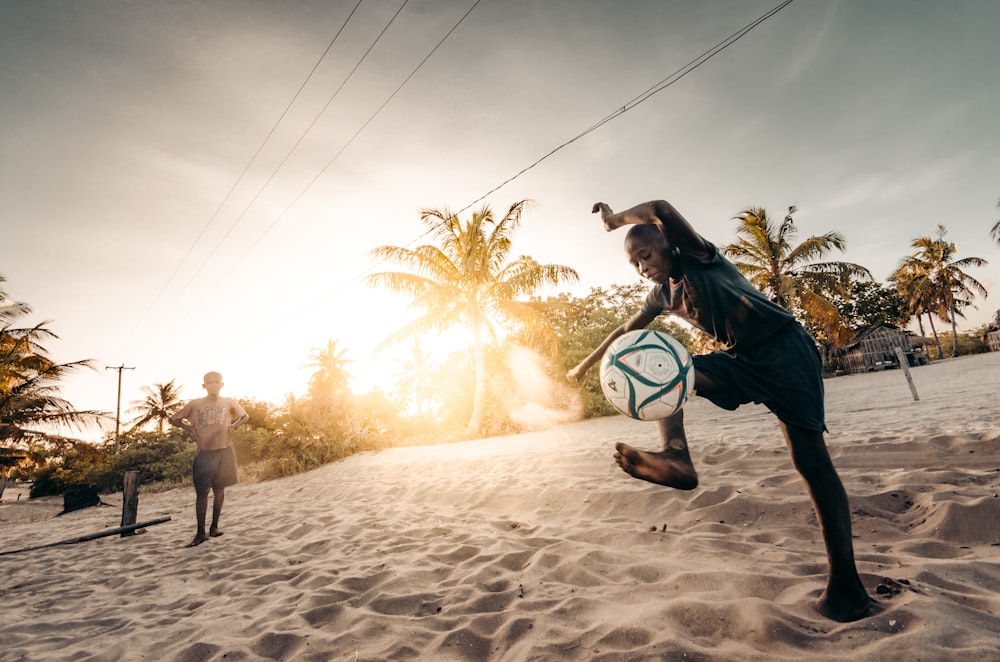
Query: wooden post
[905,365]
[130,501]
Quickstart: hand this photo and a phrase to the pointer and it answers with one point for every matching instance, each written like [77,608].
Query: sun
[382,369]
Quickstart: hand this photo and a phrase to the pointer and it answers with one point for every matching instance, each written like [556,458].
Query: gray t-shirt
[714,296]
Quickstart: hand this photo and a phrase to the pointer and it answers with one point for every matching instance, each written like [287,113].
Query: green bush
[53,480]
[159,458]
[64,465]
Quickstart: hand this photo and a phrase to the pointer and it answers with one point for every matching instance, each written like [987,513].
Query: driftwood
[92,536]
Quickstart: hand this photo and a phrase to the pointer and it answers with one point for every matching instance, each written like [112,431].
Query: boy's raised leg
[845,598]
[671,467]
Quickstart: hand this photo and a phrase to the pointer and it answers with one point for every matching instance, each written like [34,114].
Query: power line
[326,167]
[242,174]
[635,101]
[659,87]
[280,217]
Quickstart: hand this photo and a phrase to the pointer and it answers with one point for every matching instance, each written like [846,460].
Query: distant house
[992,337]
[874,348]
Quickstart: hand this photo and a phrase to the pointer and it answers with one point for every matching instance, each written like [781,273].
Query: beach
[538,547]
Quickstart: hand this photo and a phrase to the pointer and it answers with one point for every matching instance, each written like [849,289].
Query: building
[874,348]
[992,338]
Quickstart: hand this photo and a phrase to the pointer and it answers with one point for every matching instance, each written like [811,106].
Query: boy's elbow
[663,209]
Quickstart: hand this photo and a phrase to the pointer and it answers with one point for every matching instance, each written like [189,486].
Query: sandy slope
[536,547]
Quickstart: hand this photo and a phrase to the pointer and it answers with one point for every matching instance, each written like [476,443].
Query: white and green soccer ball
[647,375]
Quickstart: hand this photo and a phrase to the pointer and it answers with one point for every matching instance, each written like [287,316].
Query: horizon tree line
[466,275]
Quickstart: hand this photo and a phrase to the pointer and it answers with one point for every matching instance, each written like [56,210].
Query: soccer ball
[647,375]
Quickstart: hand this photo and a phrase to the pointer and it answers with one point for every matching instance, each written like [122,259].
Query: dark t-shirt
[715,297]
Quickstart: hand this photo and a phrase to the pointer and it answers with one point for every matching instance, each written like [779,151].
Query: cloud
[816,47]
[898,185]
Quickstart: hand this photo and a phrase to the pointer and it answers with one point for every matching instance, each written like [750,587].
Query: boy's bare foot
[214,533]
[198,539]
[845,610]
[669,467]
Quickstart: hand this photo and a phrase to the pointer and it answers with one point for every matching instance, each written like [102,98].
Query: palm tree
[331,377]
[934,281]
[466,279]
[413,380]
[31,409]
[995,231]
[788,274]
[914,286]
[161,402]
[11,310]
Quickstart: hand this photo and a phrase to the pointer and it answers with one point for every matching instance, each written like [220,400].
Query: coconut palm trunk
[937,341]
[466,279]
[479,395]
[954,335]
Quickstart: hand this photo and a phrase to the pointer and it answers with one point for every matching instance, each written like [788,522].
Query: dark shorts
[783,373]
[214,469]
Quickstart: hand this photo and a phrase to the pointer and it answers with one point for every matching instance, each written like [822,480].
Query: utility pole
[118,413]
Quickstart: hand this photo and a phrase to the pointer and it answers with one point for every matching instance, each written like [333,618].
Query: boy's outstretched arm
[661,213]
[637,321]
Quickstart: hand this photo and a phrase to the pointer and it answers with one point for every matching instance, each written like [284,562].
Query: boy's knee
[813,468]
[809,452]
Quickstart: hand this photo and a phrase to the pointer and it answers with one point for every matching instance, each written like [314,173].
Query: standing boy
[211,420]
[768,358]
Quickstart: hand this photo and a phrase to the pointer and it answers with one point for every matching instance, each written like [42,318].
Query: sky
[198,185]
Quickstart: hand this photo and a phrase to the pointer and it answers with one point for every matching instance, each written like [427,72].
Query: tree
[789,274]
[31,410]
[414,380]
[934,281]
[466,279]
[868,303]
[331,378]
[995,231]
[914,287]
[161,402]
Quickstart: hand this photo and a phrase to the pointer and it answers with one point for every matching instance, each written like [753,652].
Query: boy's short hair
[212,373]
[648,232]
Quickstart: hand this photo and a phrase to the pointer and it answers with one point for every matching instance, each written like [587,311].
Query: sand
[537,547]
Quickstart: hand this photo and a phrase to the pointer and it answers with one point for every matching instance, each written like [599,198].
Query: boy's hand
[576,374]
[606,214]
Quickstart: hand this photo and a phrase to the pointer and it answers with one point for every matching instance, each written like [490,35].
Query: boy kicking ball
[768,358]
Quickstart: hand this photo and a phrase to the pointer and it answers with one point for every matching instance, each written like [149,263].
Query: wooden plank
[91,536]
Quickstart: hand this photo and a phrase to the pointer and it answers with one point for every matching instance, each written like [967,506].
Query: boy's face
[213,384]
[650,257]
